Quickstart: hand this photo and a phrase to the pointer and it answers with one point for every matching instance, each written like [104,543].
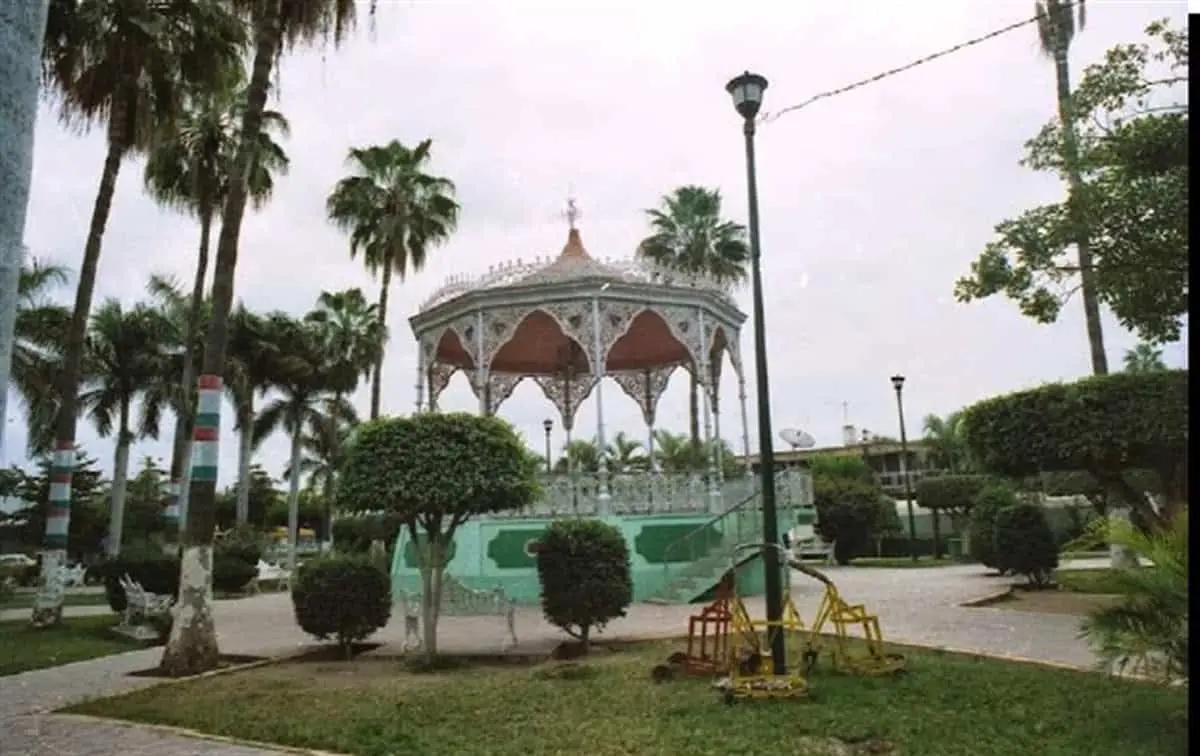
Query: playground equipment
[707,640]
[751,666]
[835,611]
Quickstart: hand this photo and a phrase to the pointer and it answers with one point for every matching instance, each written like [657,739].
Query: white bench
[460,601]
[73,576]
[270,573]
[140,604]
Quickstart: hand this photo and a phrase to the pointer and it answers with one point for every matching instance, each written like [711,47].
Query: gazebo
[567,323]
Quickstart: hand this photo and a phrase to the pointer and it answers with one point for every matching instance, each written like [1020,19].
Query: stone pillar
[599,368]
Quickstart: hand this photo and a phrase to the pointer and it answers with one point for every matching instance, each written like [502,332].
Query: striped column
[206,437]
[171,509]
[58,518]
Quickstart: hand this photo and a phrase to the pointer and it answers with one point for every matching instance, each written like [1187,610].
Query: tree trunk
[245,454]
[377,375]
[116,509]
[294,498]
[937,534]
[585,640]
[431,592]
[192,647]
[1079,221]
[47,607]
[694,408]
[22,29]
[181,447]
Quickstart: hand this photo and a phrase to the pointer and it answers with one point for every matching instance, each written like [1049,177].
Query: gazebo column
[649,400]
[745,422]
[718,445]
[420,377]
[481,366]
[705,378]
[598,370]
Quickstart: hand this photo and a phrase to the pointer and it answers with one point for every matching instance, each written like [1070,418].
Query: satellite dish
[797,438]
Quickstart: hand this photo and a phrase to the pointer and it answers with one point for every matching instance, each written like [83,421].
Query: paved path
[918,606]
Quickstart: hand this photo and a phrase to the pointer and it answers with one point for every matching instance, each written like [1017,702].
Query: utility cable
[769,117]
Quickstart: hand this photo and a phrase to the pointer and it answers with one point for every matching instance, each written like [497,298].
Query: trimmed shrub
[344,597]
[583,566]
[1024,543]
[953,494]
[231,573]
[146,564]
[981,541]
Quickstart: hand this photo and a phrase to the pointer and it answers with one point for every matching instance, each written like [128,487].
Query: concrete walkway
[916,606]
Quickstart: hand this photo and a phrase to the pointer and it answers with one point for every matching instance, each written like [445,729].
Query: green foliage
[231,574]
[344,597]
[850,512]
[146,564]
[1133,157]
[264,498]
[89,511]
[357,533]
[1147,632]
[235,558]
[583,566]
[982,532]
[950,493]
[852,467]
[1024,543]
[437,470]
[1104,425]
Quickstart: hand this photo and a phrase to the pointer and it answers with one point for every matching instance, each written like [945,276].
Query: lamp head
[898,382]
[747,92]
[547,425]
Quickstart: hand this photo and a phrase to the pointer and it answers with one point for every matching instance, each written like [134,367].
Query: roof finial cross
[572,213]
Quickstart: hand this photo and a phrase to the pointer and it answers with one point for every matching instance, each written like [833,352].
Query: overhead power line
[768,117]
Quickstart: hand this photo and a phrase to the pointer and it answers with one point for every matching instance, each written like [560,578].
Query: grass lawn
[1089,581]
[902,562]
[76,639]
[945,706]
[24,600]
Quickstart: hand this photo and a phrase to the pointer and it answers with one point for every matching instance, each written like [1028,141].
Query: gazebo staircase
[696,562]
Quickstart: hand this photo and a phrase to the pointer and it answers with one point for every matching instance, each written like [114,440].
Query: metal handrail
[737,508]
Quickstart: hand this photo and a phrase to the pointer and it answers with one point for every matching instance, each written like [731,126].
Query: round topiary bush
[583,566]
[1024,543]
[344,597]
[146,564]
[981,534]
[231,573]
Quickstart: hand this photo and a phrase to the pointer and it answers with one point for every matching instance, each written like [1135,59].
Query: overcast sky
[872,202]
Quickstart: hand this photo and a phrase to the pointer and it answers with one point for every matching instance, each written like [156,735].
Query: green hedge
[951,493]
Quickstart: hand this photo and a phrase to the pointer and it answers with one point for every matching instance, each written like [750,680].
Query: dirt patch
[818,746]
[1056,602]
[225,661]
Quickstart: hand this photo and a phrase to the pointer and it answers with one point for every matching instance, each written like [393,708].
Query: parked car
[22,568]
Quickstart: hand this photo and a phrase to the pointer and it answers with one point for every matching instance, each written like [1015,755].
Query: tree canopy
[1133,153]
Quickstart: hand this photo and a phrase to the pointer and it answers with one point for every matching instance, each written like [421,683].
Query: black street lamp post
[898,384]
[747,92]
[548,425]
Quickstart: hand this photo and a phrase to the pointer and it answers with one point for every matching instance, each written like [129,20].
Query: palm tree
[944,440]
[579,456]
[1057,23]
[36,350]
[252,363]
[677,453]
[352,332]
[123,357]
[22,29]
[322,448]
[123,64]
[188,168]
[308,392]
[277,24]
[1144,358]
[394,212]
[625,455]
[688,235]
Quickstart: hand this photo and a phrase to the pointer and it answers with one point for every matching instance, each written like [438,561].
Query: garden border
[184,732]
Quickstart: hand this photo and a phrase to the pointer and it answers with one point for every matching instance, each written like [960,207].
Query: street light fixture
[898,384]
[747,92]
[548,425]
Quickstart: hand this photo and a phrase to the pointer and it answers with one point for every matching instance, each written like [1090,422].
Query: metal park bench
[460,601]
[140,604]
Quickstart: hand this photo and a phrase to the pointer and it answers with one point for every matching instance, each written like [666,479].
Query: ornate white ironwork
[645,387]
[500,387]
[567,393]
[439,377]
[548,270]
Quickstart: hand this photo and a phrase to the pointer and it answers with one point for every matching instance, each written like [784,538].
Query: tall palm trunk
[694,409]
[192,647]
[184,420]
[294,498]
[116,506]
[22,26]
[47,607]
[377,375]
[1079,221]
[245,455]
